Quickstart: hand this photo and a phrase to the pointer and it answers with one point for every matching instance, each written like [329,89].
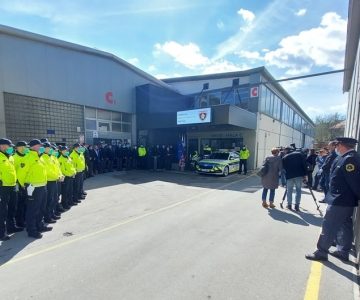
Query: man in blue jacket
[342,198]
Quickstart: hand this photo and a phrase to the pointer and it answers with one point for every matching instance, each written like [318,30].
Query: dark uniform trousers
[21,206]
[78,182]
[337,226]
[5,198]
[12,207]
[82,183]
[243,162]
[52,197]
[35,210]
[67,191]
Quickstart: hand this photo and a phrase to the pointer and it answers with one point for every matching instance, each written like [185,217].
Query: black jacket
[328,162]
[344,181]
[295,165]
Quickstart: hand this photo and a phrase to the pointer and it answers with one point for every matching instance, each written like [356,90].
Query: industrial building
[67,93]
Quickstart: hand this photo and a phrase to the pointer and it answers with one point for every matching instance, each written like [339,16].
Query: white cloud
[301,12]
[222,66]
[298,70]
[253,27]
[265,50]
[152,68]
[249,54]
[55,12]
[161,76]
[188,55]
[247,15]
[340,108]
[322,46]
[134,61]
[293,85]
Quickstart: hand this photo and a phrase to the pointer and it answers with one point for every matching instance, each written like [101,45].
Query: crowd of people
[102,158]
[38,182]
[296,167]
[337,174]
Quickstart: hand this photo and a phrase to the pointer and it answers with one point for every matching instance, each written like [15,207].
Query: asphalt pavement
[173,235]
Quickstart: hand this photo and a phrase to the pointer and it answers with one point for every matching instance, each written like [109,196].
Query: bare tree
[327,127]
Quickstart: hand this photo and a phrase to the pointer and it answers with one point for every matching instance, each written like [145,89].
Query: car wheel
[226,171]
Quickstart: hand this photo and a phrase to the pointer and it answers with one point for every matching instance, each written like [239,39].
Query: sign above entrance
[194,116]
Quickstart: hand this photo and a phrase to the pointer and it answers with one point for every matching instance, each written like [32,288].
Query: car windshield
[219,155]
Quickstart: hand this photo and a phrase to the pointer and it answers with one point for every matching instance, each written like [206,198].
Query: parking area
[173,235]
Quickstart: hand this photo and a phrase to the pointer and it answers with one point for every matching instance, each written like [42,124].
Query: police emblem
[349,167]
[22,165]
[202,115]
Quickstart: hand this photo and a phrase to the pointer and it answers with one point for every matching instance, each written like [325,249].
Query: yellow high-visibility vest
[7,170]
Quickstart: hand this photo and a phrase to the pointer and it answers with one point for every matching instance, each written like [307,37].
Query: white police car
[219,163]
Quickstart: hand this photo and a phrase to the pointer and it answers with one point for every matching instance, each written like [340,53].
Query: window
[277,108]
[126,127]
[291,117]
[116,127]
[264,92]
[90,112]
[214,99]
[103,126]
[104,114]
[90,124]
[116,116]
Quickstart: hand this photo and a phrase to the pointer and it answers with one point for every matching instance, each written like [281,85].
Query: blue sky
[170,38]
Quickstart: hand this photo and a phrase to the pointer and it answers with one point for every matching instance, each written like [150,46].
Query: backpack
[264,169]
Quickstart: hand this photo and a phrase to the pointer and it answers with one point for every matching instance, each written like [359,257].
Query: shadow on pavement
[347,274]
[285,217]
[13,246]
[234,182]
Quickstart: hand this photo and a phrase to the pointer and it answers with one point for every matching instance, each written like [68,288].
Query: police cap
[44,140]
[54,146]
[6,142]
[21,144]
[76,145]
[62,148]
[34,142]
[46,144]
[346,140]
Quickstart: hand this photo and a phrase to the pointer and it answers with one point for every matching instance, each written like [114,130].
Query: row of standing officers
[32,178]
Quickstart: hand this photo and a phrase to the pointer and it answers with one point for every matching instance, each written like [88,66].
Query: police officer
[35,180]
[342,198]
[142,156]
[21,151]
[53,175]
[7,183]
[244,155]
[68,170]
[78,161]
[58,209]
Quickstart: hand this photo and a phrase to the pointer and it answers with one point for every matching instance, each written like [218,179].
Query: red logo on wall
[109,98]
[254,92]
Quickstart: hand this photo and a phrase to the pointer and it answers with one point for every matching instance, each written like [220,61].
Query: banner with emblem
[194,116]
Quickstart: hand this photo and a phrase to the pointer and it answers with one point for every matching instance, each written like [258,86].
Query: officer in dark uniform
[342,198]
